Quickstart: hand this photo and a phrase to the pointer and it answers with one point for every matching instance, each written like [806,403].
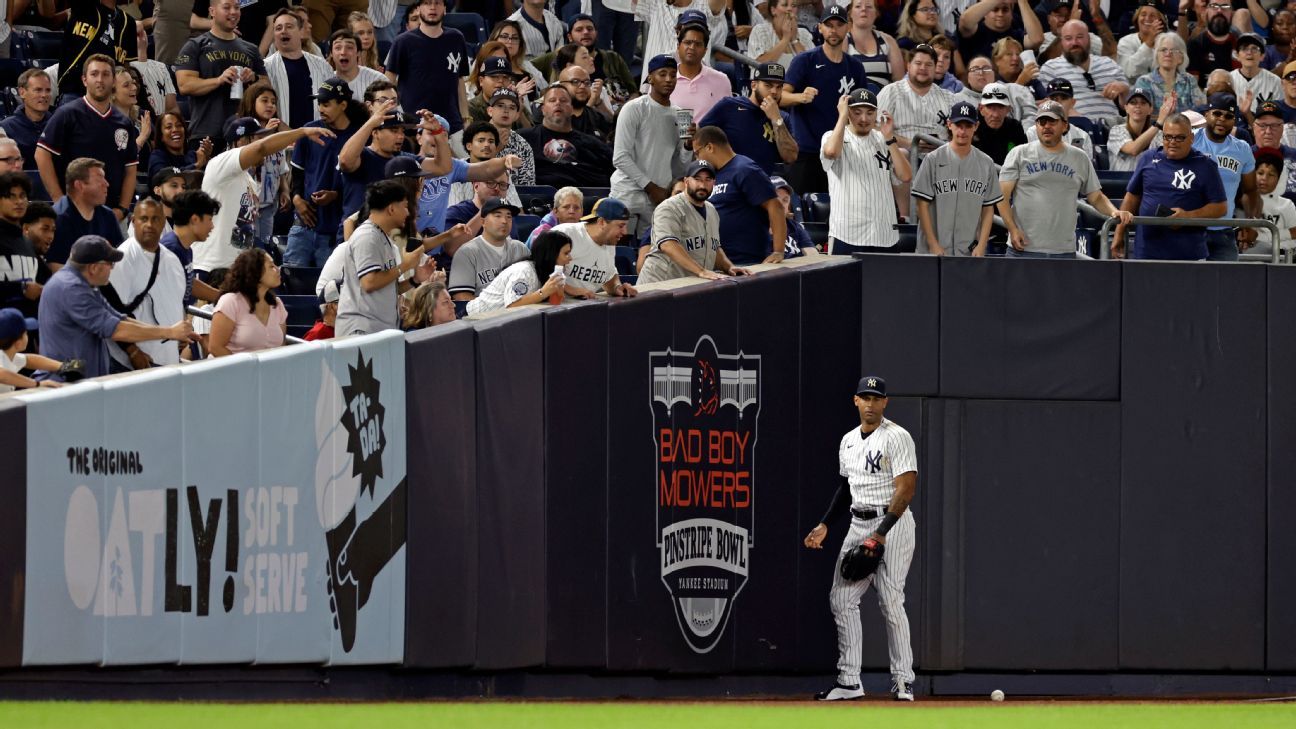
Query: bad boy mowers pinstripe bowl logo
[705,407]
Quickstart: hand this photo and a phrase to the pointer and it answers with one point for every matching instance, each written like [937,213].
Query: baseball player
[686,233]
[859,160]
[957,187]
[879,473]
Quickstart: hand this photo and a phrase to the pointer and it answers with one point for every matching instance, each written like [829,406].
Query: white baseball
[996,695]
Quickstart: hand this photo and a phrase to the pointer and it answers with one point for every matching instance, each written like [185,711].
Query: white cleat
[902,691]
[841,693]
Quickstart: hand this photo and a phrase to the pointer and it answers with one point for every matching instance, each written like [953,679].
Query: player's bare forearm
[905,485]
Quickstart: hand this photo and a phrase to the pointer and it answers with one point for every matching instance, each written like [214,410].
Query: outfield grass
[739,715]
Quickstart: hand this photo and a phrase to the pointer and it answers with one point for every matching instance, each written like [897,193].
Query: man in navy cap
[647,150]
[314,187]
[756,125]
[956,188]
[1237,171]
[860,157]
[77,322]
[1269,131]
[593,252]
[496,73]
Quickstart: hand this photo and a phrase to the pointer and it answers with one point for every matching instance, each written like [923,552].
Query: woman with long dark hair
[172,143]
[249,317]
[531,281]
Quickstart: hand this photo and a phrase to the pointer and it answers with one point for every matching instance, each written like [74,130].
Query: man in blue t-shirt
[428,63]
[755,125]
[1175,181]
[82,210]
[361,164]
[750,212]
[816,79]
[1237,171]
[315,194]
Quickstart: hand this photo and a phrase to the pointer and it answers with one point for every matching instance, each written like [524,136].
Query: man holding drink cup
[213,69]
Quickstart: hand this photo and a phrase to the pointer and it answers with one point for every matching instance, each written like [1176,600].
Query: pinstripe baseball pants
[889,579]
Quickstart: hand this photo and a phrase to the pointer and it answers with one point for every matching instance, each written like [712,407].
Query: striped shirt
[660,17]
[859,185]
[538,43]
[916,113]
[877,66]
[871,464]
[1089,98]
[1265,84]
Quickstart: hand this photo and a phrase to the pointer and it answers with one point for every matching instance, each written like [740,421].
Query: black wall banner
[441,596]
[1281,631]
[13,530]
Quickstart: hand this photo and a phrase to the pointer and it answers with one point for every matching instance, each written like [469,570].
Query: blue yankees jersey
[832,81]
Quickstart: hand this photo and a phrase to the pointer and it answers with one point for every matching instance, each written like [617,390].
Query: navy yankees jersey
[750,132]
[430,71]
[832,80]
[77,129]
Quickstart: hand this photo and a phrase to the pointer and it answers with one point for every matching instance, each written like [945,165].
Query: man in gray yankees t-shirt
[371,266]
[1040,182]
[686,233]
[481,259]
[956,188]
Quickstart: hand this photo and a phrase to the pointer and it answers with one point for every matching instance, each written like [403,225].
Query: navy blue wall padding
[1041,508]
[576,478]
[510,492]
[13,529]
[900,322]
[1192,544]
[441,416]
[1033,331]
[638,611]
[940,535]
[1282,470]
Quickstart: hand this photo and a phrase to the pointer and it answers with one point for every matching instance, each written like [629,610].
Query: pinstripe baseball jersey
[859,187]
[914,113]
[1088,85]
[872,463]
[958,188]
[679,220]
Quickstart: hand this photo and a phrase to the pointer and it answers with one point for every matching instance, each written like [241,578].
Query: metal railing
[913,149]
[1104,233]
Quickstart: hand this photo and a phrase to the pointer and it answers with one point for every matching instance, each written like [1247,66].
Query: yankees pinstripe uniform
[859,186]
[914,113]
[871,463]
[958,188]
[679,220]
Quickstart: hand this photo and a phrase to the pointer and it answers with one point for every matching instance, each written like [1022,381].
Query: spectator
[165,186]
[686,233]
[361,27]
[209,64]
[1175,181]
[91,127]
[1127,142]
[647,153]
[482,146]
[261,103]
[1281,31]
[28,122]
[1250,81]
[950,179]
[76,320]
[1006,55]
[170,28]
[491,75]
[1288,101]
[1277,209]
[344,55]
[1019,101]
[172,148]
[1100,81]
[315,197]
[433,199]
[590,112]
[468,212]
[861,162]
[126,100]
[569,55]
[828,69]
[92,28]
[1077,133]
[1171,75]
[943,75]
[750,214]
[328,298]
[1211,48]
[149,285]
[38,229]
[327,16]
[798,242]
[915,103]
[520,284]
[481,259]
[253,24]
[1058,14]
[698,87]
[433,61]
[429,306]
[14,341]
[609,66]
[781,38]
[508,33]
[878,53]
[564,156]
[361,164]
[193,218]
[1269,136]
[1136,52]
[616,23]
[155,77]
[765,137]
[568,206]
[293,73]
[10,156]
[503,110]
[18,261]
[593,260]
[82,211]
[542,31]
[1236,170]
[249,317]
[1039,181]
[998,132]
[920,22]
[985,23]
[663,19]
[228,182]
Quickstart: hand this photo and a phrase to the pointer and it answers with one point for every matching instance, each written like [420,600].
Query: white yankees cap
[995,93]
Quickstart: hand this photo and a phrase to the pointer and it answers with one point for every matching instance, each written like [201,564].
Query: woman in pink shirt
[248,315]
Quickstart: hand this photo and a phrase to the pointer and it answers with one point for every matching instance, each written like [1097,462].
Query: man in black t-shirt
[1212,49]
[998,132]
[563,156]
[207,66]
[253,24]
[94,27]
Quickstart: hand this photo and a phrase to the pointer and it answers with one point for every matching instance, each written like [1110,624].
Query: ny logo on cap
[965,109]
[872,382]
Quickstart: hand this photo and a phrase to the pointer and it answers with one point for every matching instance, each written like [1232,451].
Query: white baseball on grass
[996,695]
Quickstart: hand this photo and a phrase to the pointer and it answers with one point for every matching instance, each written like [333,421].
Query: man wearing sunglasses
[1098,81]
[1237,171]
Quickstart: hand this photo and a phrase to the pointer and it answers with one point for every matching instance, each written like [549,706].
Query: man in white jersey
[860,159]
[879,473]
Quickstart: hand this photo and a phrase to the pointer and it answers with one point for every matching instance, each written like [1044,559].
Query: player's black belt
[867,513]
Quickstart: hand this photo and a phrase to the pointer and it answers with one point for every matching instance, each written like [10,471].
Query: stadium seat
[536,199]
[523,225]
[1114,183]
[472,25]
[815,207]
[302,310]
[626,257]
[44,44]
[818,234]
[592,195]
[908,237]
[298,281]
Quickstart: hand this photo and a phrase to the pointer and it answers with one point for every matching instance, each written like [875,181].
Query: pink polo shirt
[701,92]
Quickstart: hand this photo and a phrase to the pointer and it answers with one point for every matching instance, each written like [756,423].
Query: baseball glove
[862,560]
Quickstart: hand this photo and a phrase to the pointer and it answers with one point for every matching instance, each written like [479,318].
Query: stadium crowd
[408,163]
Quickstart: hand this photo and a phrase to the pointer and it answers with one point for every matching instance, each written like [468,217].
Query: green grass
[715,715]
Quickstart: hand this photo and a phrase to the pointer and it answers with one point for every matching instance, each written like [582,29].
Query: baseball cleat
[840,693]
[902,691]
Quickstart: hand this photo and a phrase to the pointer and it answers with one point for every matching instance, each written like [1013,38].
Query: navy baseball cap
[861,97]
[94,249]
[780,183]
[836,12]
[503,95]
[498,203]
[162,176]
[1269,108]
[581,16]
[692,17]
[1222,101]
[1060,87]
[496,66]
[871,385]
[608,208]
[403,166]
[963,111]
[240,127]
[13,324]
[333,89]
[401,120]
[770,72]
[1249,39]
[662,60]
[698,165]
[1141,93]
